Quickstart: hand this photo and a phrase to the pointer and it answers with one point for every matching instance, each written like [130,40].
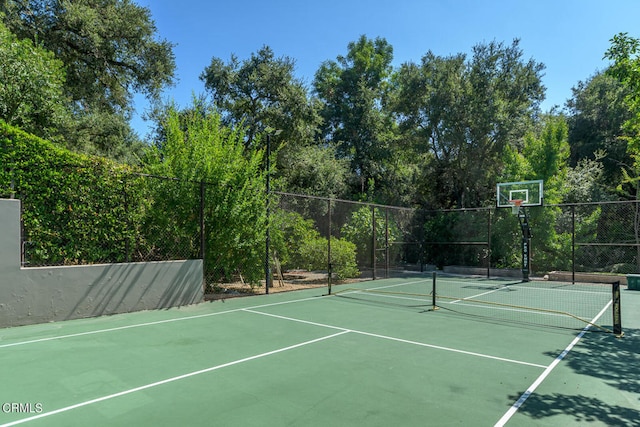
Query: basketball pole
[518,196]
[523,218]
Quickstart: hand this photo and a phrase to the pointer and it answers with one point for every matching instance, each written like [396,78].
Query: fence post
[267,264]
[386,243]
[203,236]
[127,243]
[329,267]
[489,243]
[573,244]
[636,227]
[373,241]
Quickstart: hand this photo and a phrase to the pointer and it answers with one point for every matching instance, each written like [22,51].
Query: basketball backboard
[530,192]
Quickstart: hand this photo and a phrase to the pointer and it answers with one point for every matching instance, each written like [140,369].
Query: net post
[617,315]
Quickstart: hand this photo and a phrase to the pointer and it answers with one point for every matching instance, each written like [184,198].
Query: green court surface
[353,358]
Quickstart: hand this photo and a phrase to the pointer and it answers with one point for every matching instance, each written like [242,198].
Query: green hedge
[73,205]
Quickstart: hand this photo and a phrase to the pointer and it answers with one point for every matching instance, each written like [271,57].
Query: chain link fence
[347,240]
[313,240]
[140,218]
[599,237]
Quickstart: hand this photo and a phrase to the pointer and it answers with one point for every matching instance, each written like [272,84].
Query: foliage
[314,170]
[73,205]
[465,114]
[31,93]
[262,92]
[108,47]
[359,230]
[200,149]
[343,256]
[625,52]
[584,182]
[597,112]
[109,51]
[352,90]
[547,154]
[297,244]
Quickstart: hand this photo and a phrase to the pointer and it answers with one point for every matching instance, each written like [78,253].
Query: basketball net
[515,206]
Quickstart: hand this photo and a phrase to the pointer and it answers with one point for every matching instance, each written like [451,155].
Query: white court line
[169,380]
[437,347]
[393,286]
[178,319]
[475,296]
[159,322]
[516,406]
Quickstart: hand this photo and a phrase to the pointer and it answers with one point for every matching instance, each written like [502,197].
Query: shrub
[359,230]
[74,208]
[298,245]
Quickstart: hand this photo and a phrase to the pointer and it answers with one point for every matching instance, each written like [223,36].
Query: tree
[359,230]
[259,93]
[199,148]
[352,89]
[32,89]
[108,49]
[625,54]
[462,114]
[314,170]
[544,155]
[596,114]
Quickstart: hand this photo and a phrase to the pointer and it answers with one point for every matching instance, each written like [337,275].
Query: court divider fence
[313,239]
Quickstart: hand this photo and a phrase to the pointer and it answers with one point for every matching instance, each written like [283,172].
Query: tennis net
[590,306]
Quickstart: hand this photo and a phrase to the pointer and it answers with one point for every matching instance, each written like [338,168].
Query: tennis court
[376,353]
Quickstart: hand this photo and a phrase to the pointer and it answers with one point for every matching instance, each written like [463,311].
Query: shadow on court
[582,409]
[599,358]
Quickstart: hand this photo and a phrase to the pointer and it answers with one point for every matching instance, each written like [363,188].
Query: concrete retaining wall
[45,294]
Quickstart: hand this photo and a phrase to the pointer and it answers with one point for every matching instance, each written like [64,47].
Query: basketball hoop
[515,206]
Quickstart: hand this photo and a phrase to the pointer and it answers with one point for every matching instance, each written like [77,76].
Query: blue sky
[568,36]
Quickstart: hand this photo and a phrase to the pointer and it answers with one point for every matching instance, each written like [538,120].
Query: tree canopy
[438,132]
[32,91]
[259,93]
[625,54]
[465,113]
[109,51]
[352,89]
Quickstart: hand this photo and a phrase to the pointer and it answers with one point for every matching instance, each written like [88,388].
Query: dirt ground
[290,281]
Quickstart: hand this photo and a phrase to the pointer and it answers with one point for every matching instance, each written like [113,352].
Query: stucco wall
[44,294]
